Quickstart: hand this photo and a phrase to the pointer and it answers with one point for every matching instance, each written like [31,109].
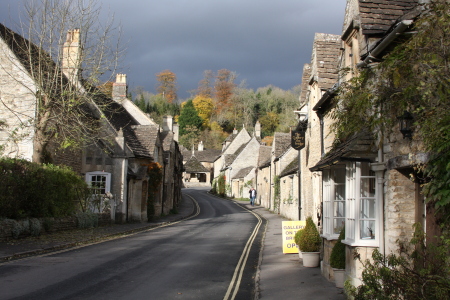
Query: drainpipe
[299,184]
[372,55]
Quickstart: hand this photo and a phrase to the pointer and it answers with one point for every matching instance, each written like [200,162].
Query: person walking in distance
[252,196]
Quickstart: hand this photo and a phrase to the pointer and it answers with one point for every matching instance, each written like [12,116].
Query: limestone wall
[17,108]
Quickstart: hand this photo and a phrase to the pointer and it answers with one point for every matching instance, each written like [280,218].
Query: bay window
[350,199]
[333,201]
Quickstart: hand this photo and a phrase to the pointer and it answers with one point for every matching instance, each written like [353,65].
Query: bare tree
[64,52]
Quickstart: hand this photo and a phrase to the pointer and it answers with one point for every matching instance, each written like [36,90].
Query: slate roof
[282,141]
[243,172]
[327,49]
[291,168]
[360,147]
[377,16]
[194,166]
[265,155]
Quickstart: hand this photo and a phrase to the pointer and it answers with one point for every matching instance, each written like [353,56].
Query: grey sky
[264,42]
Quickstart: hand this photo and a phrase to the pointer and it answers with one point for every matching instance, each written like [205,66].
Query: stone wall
[17,108]
[52,224]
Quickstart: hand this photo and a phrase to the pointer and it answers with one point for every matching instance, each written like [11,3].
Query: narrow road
[212,255]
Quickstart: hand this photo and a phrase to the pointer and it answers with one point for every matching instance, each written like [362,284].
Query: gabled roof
[360,147]
[377,16]
[243,172]
[142,139]
[206,155]
[264,158]
[305,80]
[282,141]
[291,168]
[167,138]
[194,166]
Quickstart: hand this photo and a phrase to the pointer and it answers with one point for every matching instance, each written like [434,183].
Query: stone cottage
[129,141]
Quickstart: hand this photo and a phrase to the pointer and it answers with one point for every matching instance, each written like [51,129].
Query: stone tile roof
[142,139]
[327,49]
[265,155]
[377,16]
[207,155]
[116,115]
[167,139]
[360,147]
[305,80]
[282,142]
[194,166]
[243,172]
[291,168]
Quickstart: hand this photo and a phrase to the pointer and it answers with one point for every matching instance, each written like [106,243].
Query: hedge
[31,190]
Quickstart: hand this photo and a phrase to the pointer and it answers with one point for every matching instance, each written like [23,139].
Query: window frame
[88,179]
[353,207]
[329,184]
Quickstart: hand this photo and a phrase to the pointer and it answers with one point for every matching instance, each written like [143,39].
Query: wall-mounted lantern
[405,123]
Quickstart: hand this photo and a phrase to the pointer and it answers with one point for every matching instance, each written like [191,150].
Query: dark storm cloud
[264,42]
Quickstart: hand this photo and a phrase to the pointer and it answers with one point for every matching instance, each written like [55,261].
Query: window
[362,209]
[350,198]
[100,184]
[333,201]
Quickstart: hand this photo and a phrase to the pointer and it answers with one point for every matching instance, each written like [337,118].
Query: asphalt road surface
[212,255]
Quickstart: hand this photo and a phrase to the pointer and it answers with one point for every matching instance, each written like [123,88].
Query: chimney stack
[119,91]
[71,56]
[200,146]
[258,129]
[167,123]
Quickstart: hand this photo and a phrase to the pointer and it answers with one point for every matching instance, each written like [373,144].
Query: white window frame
[329,201]
[354,206]
[88,179]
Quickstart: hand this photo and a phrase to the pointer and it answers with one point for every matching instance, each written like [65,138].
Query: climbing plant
[155,177]
[414,76]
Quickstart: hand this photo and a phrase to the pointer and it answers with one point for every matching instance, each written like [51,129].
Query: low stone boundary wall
[13,229]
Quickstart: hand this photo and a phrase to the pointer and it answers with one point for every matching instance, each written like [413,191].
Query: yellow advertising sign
[290,228]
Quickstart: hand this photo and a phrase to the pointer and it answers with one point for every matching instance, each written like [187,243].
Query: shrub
[35,227]
[337,257]
[310,238]
[420,271]
[30,190]
[87,219]
[297,236]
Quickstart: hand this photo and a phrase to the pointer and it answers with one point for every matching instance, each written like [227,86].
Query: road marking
[237,276]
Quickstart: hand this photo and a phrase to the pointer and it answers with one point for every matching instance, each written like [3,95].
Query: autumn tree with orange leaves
[224,86]
[167,85]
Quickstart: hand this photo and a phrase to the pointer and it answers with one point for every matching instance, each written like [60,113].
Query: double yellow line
[233,288]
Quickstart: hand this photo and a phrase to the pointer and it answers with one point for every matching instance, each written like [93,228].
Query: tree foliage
[223,87]
[189,117]
[204,107]
[167,85]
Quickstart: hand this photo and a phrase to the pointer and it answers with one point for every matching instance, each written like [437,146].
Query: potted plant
[337,260]
[309,244]
[297,236]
